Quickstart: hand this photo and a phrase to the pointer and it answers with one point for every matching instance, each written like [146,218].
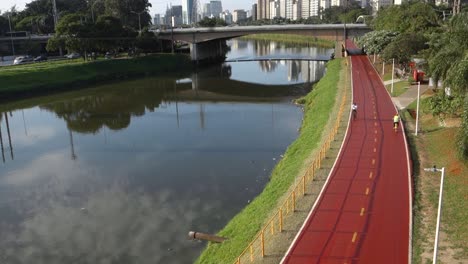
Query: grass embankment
[293,39]
[436,145]
[42,78]
[244,226]
[398,88]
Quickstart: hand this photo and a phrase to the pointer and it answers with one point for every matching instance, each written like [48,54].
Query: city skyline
[158,6]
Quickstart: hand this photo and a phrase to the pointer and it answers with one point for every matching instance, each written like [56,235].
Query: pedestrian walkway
[363,214]
[405,99]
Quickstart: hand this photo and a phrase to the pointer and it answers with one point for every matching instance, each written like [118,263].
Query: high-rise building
[282,8]
[274,9]
[324,4]
[263,9]
[227,17]
[216,8]
[187,8]
[239,15]
[174,16]
[157,20]
[254,12]
[206,10]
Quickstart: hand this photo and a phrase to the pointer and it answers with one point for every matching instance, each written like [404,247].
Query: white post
[436,240]
[374,57]
[417,110]
[393,74]
[383,68]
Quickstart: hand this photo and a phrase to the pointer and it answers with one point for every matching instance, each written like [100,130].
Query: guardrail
[256,247]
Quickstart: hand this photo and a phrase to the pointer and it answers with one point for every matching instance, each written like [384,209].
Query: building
[206,10]
[254,12]
[227,17]
[216,8]
[239,15]
[157,20]
[174,16]
[282,7]
[274,9]
[310,8]
[263,9]
[187,10]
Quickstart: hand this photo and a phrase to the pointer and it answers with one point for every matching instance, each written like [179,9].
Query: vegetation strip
[434,145]
[293,39]
[43,78]
[318,105]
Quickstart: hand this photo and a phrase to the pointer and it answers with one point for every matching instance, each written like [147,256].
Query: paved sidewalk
[409,96]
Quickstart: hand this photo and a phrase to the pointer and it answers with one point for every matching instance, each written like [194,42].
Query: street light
[139,21]
[11,36]
[393,74]
[417,109]
[436,240]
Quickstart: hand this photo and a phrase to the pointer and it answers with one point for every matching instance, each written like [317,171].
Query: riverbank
[293,39]
[44,78]
[318,106]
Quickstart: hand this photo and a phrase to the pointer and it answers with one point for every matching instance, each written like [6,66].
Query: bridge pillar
[214,50]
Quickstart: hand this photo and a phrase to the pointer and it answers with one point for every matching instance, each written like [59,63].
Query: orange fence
[256,248]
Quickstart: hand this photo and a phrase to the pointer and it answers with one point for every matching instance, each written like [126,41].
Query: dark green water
[120,173]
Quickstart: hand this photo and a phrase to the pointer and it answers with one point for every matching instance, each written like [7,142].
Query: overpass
[209,43]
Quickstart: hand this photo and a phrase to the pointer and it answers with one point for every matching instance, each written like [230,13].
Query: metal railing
[256,247]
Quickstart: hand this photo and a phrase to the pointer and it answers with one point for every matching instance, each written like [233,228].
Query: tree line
[85,25]
[439,36]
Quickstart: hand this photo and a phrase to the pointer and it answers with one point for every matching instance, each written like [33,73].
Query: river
[120,173]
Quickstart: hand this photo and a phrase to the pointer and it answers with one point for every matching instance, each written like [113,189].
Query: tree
[147,42]
[410,17]
[127,11]
[403,47]
[375,42]
[448,61]
[212,22]
[73,32]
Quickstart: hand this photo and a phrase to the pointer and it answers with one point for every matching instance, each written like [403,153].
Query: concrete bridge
[208,43]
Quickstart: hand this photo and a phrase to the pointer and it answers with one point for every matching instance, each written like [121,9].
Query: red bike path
[363,214]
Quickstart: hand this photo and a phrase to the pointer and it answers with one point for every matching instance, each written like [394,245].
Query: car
[22,59]
[40,58]
[73,55]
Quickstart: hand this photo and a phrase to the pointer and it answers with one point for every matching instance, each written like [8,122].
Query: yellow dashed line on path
[354,237]
[375,139]
[373,161]
[362,211]
[370,175]
[375,149]
[367,191]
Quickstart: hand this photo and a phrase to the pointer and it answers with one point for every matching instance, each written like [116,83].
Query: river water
[119,173]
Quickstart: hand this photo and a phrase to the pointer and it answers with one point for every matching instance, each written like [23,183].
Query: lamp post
[11,36]
[417,109]
[436,239]
[393,74]
[139,20]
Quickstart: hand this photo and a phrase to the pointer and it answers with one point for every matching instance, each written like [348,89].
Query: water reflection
[121,172]
[10,145]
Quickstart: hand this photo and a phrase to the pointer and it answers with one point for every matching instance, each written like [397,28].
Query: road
[364,212]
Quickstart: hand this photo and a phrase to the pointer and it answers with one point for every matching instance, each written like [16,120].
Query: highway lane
[364,212]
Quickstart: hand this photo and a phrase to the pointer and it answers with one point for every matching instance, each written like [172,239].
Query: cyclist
[354,108]
[396,120]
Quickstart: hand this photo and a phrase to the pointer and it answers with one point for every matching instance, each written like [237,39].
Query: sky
[159,6]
